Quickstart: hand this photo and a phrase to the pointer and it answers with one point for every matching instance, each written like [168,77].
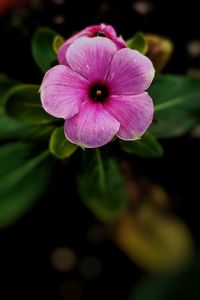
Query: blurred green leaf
[5,85]
[12,129]
[24,175]
[147,146]
[24,104]
[57,43]
[101,187]
[138,42]
[9,127]
[59,146]
[42,48]
[39,133]
[174,286]
[177,105]
[153,288]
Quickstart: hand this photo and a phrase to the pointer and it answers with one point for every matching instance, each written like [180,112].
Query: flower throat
[99,92]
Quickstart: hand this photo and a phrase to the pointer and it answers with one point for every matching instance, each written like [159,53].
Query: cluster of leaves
[31,139]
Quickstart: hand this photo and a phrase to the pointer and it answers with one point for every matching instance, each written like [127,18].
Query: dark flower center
[100,33]
[99,92]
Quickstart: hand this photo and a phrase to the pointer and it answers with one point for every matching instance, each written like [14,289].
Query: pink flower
[101,93]
[91,31]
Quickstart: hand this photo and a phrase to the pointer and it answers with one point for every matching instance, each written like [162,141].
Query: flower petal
[110,33]
[119,42]
[130,72]
[91,32]
[62,52]
[92,127]
[91,57]
[107,29]
[62,91]
[63,49]
[135,114]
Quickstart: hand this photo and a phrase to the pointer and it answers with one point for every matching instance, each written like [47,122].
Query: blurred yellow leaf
[57,43]
[157,242]
[159,50]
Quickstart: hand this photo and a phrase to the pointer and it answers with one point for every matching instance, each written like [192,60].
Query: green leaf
[138,42]
[59,146]
[155,287]
[57,43]
[12,129]
[39,133]
[147,146]
[42,48]
[181,285]
[24,174]
[101,187]
[24,104]
[9,128]
[5,85]
[177,105]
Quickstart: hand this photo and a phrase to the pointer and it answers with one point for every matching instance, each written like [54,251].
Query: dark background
[59,220]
